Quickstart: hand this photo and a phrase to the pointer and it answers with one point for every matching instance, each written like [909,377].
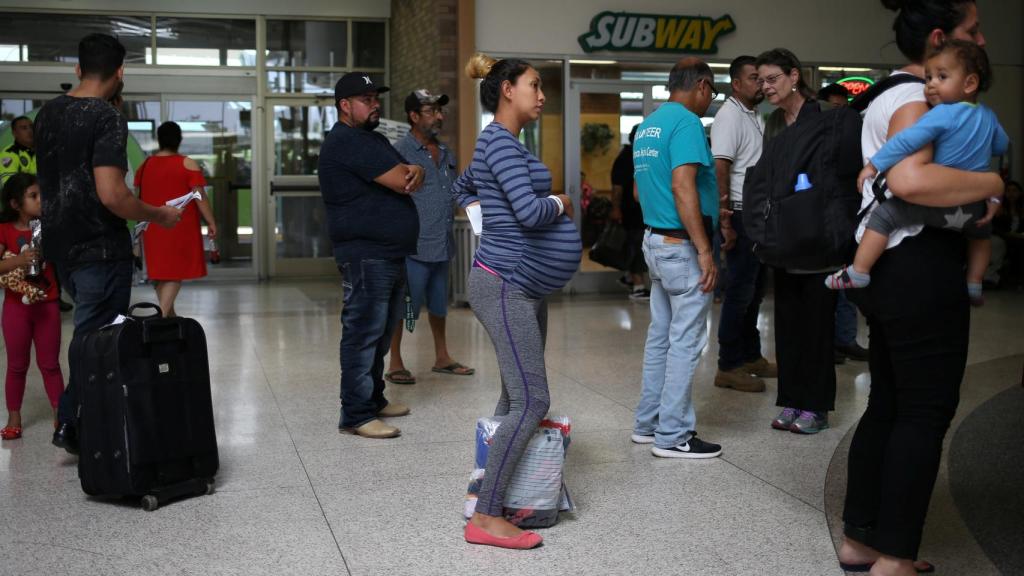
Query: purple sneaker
[785,419]
[810,422]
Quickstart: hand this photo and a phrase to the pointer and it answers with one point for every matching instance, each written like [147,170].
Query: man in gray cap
[366,186]
[427,270]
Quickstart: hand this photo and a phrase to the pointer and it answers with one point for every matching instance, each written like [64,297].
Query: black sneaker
[640,295]
[692,448]
[66,437]
[853,351]
[626,281]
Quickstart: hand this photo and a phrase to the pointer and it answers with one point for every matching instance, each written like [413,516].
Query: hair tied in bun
[479,65]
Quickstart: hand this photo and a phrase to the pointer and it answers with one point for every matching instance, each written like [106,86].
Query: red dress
[171,253]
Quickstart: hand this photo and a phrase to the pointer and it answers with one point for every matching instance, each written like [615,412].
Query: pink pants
[23,325]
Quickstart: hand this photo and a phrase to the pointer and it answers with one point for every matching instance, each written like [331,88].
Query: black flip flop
[866,567]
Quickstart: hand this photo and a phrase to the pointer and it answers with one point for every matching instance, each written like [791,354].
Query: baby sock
[847,278]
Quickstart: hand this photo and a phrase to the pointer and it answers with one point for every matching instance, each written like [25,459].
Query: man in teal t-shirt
[675,183]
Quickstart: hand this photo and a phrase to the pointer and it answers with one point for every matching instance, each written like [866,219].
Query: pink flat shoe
[524,541]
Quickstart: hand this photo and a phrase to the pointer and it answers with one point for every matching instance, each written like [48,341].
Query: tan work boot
[374,429]
[394,410]
[739,379]
[762,367]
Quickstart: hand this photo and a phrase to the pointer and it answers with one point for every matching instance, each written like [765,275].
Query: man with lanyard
[736,139]
[675,183]
[427,270]
[20,156]
[365,184]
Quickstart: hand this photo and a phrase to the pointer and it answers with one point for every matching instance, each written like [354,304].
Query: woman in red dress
[173,254]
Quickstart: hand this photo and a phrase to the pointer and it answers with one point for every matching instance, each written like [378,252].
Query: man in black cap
[427,269]
[365,184]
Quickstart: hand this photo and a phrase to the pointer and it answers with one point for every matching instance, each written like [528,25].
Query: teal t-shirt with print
[671,137]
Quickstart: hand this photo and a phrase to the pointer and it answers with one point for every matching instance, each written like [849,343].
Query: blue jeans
[675,339]
[374,297]
[101,290]
[846,321]
[739,340]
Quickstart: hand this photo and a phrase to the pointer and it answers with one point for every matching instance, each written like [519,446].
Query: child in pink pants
[25,324]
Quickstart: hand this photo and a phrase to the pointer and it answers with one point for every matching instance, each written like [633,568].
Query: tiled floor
[295,497]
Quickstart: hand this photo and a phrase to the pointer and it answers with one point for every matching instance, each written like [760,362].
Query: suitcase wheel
[150,503]
[209,488]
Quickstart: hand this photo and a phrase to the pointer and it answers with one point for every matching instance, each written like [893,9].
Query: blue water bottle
[802,182]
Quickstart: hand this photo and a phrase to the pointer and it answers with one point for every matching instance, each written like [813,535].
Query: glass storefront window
[205,41]
[143,117]
[307,43]
[309,82]
[369,44]
[31,37]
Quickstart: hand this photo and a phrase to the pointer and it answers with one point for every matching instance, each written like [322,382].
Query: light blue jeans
[675,339]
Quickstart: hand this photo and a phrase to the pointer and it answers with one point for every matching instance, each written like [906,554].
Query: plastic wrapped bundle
[537,492]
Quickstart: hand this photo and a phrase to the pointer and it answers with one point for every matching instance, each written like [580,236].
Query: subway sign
[623,31]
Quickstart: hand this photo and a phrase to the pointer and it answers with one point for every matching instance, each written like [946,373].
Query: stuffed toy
[31,292]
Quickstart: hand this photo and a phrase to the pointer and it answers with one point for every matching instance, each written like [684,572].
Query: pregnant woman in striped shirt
[528,249]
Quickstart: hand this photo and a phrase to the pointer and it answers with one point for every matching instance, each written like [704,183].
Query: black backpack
[812,229]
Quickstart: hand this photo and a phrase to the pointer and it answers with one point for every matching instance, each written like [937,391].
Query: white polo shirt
[737,135]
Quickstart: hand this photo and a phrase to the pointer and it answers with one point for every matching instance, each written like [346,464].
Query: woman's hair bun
[894,5]
[479,65]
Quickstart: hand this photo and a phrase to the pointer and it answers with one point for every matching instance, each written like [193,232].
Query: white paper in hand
[181,201]
[476,218]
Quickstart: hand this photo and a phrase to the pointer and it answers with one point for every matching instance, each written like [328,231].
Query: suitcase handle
[162,331]
[148,305]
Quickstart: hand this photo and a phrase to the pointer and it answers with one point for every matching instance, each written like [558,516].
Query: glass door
[300,244]
[600,116]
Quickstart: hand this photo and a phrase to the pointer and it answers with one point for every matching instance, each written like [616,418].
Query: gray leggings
[895,213]
[517,325]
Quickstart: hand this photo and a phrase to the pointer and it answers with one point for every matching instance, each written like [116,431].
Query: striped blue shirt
[524,239]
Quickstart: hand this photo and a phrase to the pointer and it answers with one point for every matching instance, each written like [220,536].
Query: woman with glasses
[804,312]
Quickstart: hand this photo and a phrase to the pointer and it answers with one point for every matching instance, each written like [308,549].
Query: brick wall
[424,45]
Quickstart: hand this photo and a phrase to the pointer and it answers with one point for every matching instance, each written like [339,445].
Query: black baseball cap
[418,98]
[354,84]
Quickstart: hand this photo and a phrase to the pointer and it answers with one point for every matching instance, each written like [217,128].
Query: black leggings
[805,326]
[919,335]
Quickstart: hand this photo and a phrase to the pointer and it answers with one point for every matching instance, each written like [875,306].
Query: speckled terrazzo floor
[295,497]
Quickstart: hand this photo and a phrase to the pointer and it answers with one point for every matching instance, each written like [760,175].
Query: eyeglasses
[770,80]
[711,86]
[432,111]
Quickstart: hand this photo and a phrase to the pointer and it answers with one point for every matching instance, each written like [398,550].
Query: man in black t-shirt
[80,149]
[373,224]
[626,210]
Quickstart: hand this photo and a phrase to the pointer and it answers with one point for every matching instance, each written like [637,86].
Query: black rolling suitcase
[145,413]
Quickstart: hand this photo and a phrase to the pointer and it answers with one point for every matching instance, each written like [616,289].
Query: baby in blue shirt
[966,136]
